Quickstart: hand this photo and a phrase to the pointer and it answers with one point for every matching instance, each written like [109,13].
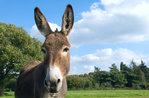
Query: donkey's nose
[54,86]
[54,77]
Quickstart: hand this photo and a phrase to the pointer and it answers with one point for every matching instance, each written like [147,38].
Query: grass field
[100,94]
[108,94]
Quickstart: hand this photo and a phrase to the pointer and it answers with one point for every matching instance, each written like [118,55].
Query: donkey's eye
[66,49]
[43,50]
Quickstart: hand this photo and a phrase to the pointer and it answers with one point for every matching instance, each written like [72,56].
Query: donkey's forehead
[57,39]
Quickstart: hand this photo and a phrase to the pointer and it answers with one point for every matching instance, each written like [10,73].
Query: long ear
[41,22]
[68,20]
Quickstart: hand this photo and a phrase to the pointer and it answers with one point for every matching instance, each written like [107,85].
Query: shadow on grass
[9,93]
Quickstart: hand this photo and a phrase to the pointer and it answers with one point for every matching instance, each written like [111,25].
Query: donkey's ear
[41,22]
[68,20]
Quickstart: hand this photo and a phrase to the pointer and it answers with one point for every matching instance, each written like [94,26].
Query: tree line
[132,76]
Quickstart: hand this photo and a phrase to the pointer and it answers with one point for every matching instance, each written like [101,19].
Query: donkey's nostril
[58,80]
[46,83]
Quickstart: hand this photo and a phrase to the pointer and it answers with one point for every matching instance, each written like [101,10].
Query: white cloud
[104,58]
[36,34]
[119,21]
[90,68]
[73,70]
[111,2]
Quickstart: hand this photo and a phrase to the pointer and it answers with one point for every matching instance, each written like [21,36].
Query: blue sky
[105,31]
[21,12]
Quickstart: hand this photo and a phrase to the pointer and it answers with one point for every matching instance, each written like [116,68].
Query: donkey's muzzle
[51,86]
[53,79]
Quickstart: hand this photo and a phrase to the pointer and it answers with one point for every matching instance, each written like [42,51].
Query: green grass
[108,94]
[8,95]
[100,94]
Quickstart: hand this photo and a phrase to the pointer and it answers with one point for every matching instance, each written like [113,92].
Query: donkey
[47,79]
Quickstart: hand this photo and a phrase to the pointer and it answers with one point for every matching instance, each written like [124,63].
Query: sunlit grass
[99,94]
[108,94]
[8,95]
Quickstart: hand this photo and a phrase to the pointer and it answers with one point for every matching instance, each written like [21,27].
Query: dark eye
[43,50]
[66,49]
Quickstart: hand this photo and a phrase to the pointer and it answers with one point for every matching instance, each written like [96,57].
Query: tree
[88,78]
[133,76]
[97,75]
[145,70]
[139,77]
[75,82]
[117,78]
[17,48]
[128,73]
[102,78]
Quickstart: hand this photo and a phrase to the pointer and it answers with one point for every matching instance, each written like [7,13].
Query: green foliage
[17,48]
[102,78]
[133,76]
[11,86]
[139,80]
[79,82]
[117,78]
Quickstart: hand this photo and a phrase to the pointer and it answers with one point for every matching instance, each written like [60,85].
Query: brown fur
[54,44]
[31,80]
[30,83]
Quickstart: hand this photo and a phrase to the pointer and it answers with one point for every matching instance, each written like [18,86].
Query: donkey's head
[55,48]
